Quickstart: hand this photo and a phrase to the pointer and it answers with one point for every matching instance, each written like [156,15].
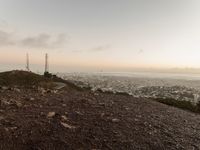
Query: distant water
[142,84]
[185,76]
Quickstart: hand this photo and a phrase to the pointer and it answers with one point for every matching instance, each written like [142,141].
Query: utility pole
[27,62]
[46,63]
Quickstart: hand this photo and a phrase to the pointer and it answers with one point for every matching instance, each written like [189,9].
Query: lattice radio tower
[46,63]
[27,62]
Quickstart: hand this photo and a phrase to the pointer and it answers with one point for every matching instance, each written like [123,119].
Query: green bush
[198,106]
[187,105]
[47,75]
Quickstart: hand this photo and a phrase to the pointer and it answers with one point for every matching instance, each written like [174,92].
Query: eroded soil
[71,119]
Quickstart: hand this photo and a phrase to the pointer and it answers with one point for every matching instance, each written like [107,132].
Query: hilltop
[37,118]
[21,78]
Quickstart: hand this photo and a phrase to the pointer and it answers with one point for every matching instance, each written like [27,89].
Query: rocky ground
[68,118]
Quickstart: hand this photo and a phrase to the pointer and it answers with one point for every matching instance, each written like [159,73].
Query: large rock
[63,117]
[5,88]
[51,114]
[115,120]
[67,125]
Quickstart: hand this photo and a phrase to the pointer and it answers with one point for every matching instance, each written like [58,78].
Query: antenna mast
[46,63]
[27,62]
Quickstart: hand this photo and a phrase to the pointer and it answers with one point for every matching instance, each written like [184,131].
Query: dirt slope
[35,119]
[84,120]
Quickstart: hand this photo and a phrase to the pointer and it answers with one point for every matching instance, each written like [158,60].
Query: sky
[98,35]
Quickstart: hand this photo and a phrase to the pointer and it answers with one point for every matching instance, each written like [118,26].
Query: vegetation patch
[186,105]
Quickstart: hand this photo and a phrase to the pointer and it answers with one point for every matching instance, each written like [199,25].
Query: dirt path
[86,120]
[59,85]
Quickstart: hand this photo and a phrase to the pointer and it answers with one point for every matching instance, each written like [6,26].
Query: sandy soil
[71,119]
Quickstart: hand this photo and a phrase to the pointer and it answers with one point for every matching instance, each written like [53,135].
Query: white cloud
[6,38]
[44,40]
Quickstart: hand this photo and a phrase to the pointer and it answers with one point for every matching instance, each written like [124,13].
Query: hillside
[81,119]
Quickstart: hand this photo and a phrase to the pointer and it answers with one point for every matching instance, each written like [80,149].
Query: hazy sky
[100,34]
